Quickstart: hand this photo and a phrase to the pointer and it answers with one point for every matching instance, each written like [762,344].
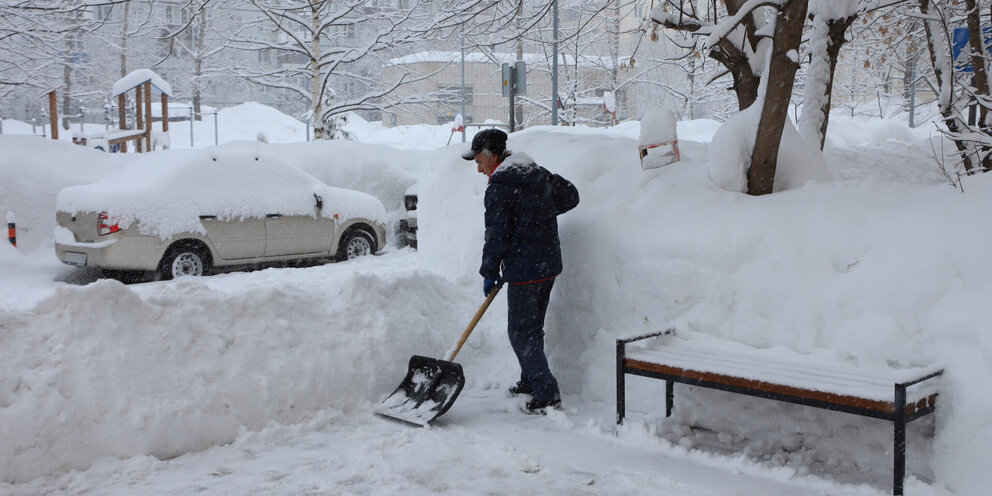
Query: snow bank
[109,370]
[872,275]
[256,122]
[730,155]
[864,272]
[33,170]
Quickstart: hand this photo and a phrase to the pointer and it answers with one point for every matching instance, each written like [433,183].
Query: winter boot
[521,387]
[535,407]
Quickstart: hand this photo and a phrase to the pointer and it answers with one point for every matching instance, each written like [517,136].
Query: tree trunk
[775,109]
[124,23]
[315,83]
[122,99]
[729,54]
[66,89]
[945,87]
[614,31]
[981,77]
[198,64]
[828,38]
[746,82]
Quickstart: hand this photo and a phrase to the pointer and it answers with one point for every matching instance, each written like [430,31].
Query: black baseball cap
[493,140]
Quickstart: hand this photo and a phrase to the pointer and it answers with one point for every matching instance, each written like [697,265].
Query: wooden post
[122,116]
[122,111]
[139,119]
[148,115]
[53,114]
[165,113]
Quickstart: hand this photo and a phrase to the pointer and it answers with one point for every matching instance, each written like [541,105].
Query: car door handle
[273,216]
[208,217]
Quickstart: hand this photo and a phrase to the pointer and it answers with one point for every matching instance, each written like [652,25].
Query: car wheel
[356,243]
[184,260]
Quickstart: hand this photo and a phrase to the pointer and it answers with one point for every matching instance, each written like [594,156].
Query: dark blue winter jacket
[522,202]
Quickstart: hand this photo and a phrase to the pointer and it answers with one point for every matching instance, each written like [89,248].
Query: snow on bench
[899,395]
[104,140]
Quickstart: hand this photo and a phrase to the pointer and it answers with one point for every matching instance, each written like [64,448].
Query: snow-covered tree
[759,43]
[958,87]
[323,45]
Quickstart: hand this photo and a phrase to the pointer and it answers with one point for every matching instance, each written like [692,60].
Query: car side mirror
[318,201]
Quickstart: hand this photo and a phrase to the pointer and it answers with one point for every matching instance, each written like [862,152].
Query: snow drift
[864,272]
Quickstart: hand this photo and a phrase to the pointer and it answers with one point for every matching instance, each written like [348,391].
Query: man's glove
[489,284]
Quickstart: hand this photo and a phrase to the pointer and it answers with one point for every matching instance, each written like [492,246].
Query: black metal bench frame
[898,412]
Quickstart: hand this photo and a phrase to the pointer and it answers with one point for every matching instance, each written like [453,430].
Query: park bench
[899,395]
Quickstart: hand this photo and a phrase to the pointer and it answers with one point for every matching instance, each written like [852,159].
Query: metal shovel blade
[428,390]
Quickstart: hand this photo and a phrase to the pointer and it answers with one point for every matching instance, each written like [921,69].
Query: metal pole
[621,381]
[463,83]
[554,67]
[899,440]
[912,92]
[191,127]
[513,94]
[215,128]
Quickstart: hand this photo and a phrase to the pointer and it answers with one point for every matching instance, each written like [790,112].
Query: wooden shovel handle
[471,325]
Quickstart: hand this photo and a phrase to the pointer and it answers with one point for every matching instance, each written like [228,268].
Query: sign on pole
[507,79]
[515,78]
[960,39]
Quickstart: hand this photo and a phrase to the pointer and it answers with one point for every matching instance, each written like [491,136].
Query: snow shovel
[431,385]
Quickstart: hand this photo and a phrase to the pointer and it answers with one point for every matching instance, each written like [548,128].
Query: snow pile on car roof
[167,193]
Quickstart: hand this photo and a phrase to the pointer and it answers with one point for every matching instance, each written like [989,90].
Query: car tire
[356,242]
[184,259]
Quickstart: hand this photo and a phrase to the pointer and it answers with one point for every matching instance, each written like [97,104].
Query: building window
[343,31]
[172,14]
[449,99]
[451,95]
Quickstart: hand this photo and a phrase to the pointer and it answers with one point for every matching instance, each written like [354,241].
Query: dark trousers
[525,324]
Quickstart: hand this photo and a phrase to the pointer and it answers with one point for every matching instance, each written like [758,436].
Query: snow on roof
[139,77]
[49,90]
[500,58]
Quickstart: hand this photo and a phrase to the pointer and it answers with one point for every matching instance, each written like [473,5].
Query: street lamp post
[554,66]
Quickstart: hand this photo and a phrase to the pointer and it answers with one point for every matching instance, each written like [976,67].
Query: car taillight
[106,225]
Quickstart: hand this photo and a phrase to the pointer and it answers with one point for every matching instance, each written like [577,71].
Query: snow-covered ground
[263,382]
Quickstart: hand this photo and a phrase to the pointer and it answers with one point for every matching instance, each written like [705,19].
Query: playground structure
[141,81]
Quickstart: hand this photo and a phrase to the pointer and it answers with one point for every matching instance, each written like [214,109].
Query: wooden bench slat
[870,384]
[837,399]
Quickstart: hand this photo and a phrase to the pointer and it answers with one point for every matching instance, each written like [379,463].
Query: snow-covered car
[182,213]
